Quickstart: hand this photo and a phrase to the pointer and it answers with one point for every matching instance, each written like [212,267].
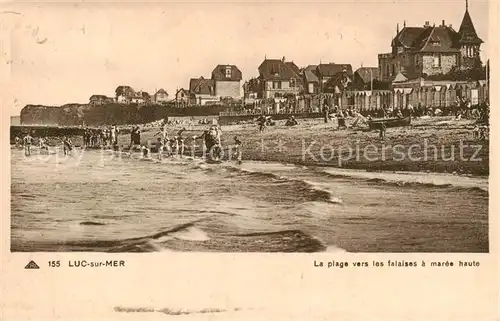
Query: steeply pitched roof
[182,90]
[428,39]
[293,66]
[467,31]
[219,73]
[310,73]
[338,82]
[201,86]
[161,91]
[276,69]
[439,39]
[332,69]
[367,73]
[400,77]
[408,35]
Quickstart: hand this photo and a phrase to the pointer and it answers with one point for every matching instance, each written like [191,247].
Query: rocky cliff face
[83,114]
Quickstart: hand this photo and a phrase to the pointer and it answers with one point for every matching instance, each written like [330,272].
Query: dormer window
[228,72]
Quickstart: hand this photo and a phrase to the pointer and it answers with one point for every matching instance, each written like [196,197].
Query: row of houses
[427,65]
[432,66]
[127,95]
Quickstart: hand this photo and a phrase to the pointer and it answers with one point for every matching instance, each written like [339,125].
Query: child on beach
[18,141]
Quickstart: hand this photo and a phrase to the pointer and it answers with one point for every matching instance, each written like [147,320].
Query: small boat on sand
[375,124]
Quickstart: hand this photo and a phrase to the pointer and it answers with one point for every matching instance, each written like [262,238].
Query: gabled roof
[293,66]
[219,73]
[338,82]
[186,92]
[407,36]
[161,91]
[276,69]
[400,77]
[467,31]
[332,69]
[310,73]
[428,39]
[367,74]
[201,86]
[439,39]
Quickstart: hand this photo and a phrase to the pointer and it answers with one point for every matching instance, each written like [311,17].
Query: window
[228,72]
[292,82]
[437,62]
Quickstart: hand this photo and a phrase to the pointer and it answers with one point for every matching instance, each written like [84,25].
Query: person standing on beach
[159,147]
[67,145]
[27,142]
[42,144]
[382,130]
[114,135]
[180,142]
[325,113]
[238,153]
[135,138]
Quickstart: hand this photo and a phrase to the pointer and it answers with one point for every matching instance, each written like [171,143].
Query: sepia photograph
[338,127]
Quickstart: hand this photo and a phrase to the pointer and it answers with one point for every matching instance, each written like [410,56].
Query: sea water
[113,202]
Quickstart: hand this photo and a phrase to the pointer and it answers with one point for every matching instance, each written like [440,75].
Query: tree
[124,91]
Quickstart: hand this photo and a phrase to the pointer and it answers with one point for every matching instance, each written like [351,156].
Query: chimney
[426,24]
[450,25]
[283,59]
[443,25]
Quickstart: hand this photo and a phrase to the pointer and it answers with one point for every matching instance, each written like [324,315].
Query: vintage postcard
[249,160]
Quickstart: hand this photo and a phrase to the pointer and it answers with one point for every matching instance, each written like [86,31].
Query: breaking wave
[191,237]
[413,180]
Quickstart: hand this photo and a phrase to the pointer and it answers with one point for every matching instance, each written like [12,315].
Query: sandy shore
[438,144]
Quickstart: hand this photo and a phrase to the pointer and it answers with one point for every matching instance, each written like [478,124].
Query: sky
[65,52]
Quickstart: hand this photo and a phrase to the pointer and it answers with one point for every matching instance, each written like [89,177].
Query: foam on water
[126,205]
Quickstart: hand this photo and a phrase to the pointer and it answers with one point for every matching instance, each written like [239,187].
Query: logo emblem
[32,265]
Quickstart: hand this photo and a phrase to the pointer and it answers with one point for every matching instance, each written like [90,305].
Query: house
[123,94]
[325,72]
[431,50]
[227,81]
[364,77]
[100,100]
[123,99]
[160,97]
[203,91]
[279,78]
[311,80]
[183,98]
[137,100]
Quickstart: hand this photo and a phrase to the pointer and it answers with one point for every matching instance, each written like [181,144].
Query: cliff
[84,114]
